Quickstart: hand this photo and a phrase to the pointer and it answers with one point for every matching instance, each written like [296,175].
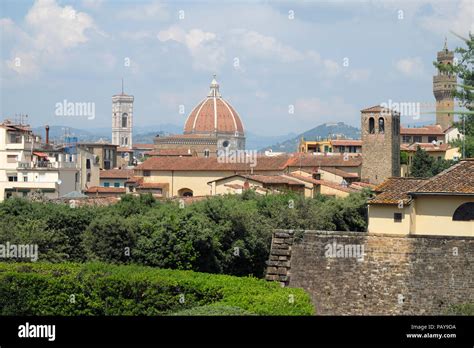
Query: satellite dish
[434,142]
[59,182]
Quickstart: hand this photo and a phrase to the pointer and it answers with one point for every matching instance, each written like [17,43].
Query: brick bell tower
[380,130]
[443,84]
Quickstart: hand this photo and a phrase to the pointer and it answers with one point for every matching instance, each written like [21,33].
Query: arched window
[371,125]
[381,125]
[126,141]
[465,212]
[185,192]
[206,153]
[124,120]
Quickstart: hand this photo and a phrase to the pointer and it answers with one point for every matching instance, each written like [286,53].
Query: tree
[425,166]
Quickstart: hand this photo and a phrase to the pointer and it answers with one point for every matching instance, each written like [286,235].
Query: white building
[25,170]
[122,120]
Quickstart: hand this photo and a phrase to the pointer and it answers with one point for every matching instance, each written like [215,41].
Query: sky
[284,66]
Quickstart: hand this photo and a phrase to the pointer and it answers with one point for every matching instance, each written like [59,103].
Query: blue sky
[324,60]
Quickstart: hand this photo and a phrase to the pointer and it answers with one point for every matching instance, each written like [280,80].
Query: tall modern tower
[122,119]
[443,84]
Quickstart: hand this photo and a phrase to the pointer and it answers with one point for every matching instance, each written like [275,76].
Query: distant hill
[326,130]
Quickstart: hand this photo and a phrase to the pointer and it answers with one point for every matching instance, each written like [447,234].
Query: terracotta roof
[362,185]
[152,185]
[322,182]
[425,146]
[458,179]
[432,129]
[99,189]
[235,186]
[315,161]
[346,142]
[377,109]
[394,190]
[40,154]
[116,174]
[143,146]
[135,180]
[169,152]
[339,172]
[264,179]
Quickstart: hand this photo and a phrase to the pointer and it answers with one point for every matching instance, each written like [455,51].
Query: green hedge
[104,289]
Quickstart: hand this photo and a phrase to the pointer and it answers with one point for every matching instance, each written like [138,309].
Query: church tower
[122,119]
[443,84]
[380,130]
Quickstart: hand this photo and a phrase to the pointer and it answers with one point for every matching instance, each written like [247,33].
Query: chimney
[47,134]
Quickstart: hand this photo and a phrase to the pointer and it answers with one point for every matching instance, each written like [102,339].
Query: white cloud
[410,66]
[266,46]
[446,17]
[155,10]
[92,4]
[49,31]
[358,75]
[207,52]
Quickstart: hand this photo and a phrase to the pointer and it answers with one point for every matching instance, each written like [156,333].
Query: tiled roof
[338,172]
[153,185]
[376,109]
[99,189]
[357,184]
[264,179]
[432,129]
[394,190]
[458,179]
[116,174]
[169,152]
[315,161]
[143,146]
[425,146]
[322,182]
[262,163]
[346,142]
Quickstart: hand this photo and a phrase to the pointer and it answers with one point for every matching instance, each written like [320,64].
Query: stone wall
[418,275]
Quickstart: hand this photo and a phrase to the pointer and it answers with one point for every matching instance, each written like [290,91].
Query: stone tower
[122,119]
[380,130]
[443,84]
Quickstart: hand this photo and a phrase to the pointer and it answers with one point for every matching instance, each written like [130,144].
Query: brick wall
[397,274]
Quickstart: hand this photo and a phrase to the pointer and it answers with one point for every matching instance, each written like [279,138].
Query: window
[11,158]
[88,177]
[465,212]
[371,125]
[106,184]
[15,138]
[13,178]
[126,141]
[25,178]
[381,125]
[206,153]
[124,120]
[226,143]
[116,184]
[397,217]
[146,173]
[431,139]
[88,164]
[417,139]
[406,139]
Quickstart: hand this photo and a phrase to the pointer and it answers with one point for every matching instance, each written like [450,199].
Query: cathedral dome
[214,115]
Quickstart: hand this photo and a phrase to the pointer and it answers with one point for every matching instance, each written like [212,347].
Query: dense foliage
[425,166]
[227,234]
[104,289]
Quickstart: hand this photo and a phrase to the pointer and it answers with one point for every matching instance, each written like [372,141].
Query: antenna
[122,85]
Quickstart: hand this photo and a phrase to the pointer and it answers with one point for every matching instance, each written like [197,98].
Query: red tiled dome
[214,115]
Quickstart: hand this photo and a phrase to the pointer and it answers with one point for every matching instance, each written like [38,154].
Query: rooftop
[395,190]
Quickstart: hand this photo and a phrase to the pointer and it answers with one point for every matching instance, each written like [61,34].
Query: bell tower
[122,119]
[443,84]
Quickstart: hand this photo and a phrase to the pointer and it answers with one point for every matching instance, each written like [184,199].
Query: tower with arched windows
[380,130]
[122,119]
[443,85]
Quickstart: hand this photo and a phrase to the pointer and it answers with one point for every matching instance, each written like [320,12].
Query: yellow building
[441,205]
[435,150]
